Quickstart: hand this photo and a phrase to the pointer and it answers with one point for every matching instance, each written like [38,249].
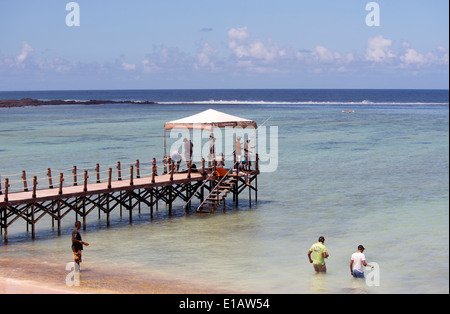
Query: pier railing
[79,176]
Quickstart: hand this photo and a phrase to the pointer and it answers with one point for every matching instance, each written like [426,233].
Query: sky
[199,44]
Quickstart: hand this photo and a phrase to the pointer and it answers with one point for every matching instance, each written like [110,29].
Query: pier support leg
[151,203]
[130,204]
[250,196]
[236,192]
[107,211]
[84,213]
[59,217]
[188,196]
[4,224]
[256,189]
[33,224]
[170,200]
[139,202]
[120,205]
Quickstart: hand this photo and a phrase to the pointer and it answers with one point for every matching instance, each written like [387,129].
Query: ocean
[364,167]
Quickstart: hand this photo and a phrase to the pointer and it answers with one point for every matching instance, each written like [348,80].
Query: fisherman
[247,153]
[320,253]
[176,158]
[188,148]
[238,148]
[77,243]
[357,262]
[212,148]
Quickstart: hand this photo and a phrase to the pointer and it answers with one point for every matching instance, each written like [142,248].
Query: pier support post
[151,203]
[130,204]
[250,196]
[236,191]
[107,211]
[4,224]
[170,199]
[33,224]
[84,213]
[59,217]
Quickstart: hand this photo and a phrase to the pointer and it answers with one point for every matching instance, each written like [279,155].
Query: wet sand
[13,286]
[19,276]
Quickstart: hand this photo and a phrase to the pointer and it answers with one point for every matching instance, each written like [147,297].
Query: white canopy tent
[208,120]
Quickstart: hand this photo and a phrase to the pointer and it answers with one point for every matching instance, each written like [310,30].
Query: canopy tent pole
[165,148]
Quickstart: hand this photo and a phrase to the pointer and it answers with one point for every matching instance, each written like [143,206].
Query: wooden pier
[32,196]
[81,193]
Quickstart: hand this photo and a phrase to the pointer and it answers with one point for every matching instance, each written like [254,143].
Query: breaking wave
[262,102]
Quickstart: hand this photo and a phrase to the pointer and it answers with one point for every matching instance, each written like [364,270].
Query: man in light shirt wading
[320,253]
[357,262]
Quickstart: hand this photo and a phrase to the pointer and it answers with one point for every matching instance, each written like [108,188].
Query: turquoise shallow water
[378,177]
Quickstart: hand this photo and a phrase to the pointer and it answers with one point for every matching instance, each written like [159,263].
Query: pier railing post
[131,175]
[85,180]
[34,186]
[50,180]
[154,170]
[6,189]
[24,178]
[119,172]
[138,171]
[97,169]
[203,166]
[61,180]
[165,164]
[109,178]
[189,169]
[74,171]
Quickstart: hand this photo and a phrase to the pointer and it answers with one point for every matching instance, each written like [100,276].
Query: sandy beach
[13,286]
[19,276]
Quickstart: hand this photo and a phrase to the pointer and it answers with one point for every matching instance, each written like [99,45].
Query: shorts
[320,268]
[77,257]
[358,274]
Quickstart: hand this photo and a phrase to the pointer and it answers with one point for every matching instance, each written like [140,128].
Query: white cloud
[128,66]
[238,34]
[378,49]
[204,57]
[57,65]
[322,54]
[256,49]
[24,53]
[413,57]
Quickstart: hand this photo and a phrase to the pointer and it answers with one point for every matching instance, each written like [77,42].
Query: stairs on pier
[218,195]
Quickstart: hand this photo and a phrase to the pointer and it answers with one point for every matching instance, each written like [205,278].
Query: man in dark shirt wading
[77,243]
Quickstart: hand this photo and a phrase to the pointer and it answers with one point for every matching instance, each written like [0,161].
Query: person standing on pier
[247,153]
[212,148]
[238,148]
[188,148]
[77,243]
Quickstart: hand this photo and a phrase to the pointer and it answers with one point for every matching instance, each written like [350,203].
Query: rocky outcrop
[25,102]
